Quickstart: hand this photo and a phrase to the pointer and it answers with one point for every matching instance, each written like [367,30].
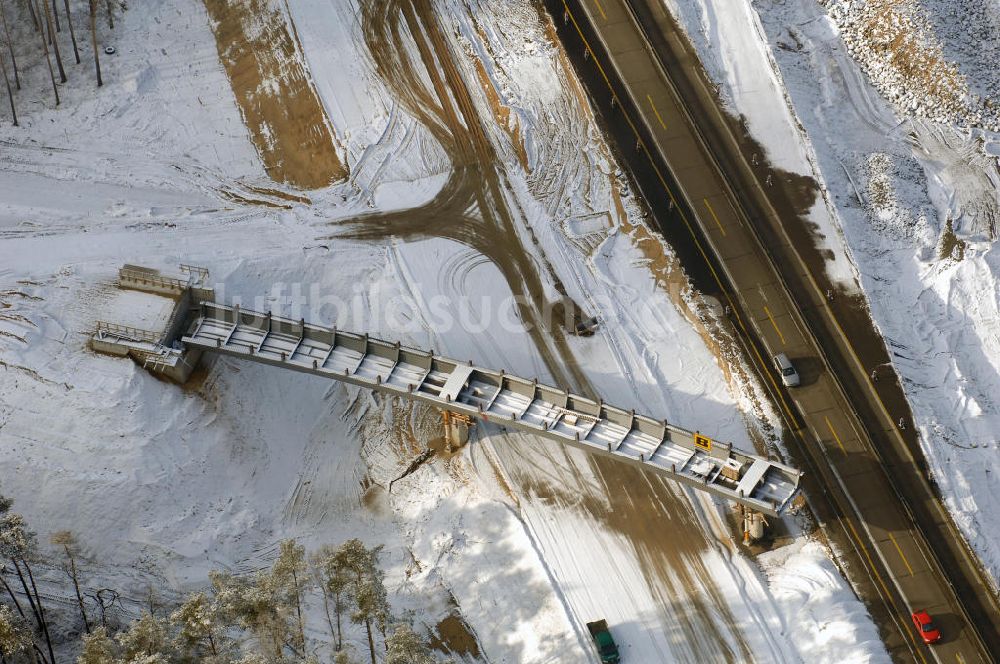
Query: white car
[789,376]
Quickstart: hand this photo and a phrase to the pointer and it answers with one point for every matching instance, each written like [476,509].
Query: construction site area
[493,305]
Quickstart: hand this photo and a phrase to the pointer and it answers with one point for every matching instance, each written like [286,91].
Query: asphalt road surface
[733,227]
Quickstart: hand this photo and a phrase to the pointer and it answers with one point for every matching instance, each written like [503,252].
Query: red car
[925,626]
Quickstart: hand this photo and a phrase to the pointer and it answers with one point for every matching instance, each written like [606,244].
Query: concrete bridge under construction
[462,391]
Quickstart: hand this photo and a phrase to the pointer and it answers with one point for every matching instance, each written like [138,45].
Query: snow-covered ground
[162,484]
[921,244]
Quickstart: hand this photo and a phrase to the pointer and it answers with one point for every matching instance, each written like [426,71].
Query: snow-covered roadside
[809,593]
[919,242]
[166,483]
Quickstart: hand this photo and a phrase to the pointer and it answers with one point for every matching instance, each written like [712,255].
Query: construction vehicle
[606,647]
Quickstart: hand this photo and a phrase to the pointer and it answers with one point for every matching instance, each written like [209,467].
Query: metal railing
[106,329]
[146,277]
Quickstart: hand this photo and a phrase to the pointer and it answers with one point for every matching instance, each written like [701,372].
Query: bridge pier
[456,429]
[753,525]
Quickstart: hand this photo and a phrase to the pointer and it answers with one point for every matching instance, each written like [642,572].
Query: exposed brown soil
[950,247]
[230,195]
[283,195]
[196,381]
[279,105]
[501,112]
[454,637]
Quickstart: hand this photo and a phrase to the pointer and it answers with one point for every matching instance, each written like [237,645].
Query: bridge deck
[493,396]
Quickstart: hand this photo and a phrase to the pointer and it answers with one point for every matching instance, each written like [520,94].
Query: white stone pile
[896,45]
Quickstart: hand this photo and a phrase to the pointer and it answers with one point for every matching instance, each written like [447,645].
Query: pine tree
[72,33]
[145,637]
[17,544]
[367,589]
[34,16]
[372,605]
[288,574]
[155,658]
[10,93]
[67,542]
[257,605]
[334,581]
[405,647]
[15,635]
[255,658]
[198,626]
[342,658]
[48,58]
[54,41]
[98,648]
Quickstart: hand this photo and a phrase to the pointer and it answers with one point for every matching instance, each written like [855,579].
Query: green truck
[605,644]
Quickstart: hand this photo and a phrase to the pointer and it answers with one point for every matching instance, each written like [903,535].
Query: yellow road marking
[603,15]
[905,561]
[885,589]
[656,112]
[717,222]
[684,218]
[775,325]
[835,436]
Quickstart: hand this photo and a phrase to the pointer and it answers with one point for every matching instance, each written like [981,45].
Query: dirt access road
[694,168]
[262,57]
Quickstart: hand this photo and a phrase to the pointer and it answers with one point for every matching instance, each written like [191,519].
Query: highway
[868,485]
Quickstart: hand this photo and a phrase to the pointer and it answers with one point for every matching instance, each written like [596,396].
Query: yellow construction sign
[703,442]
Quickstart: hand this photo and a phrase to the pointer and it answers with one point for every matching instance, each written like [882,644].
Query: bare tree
[93,40]
[106,598]
[10,94]
[55,42]
[34,16]
[10,44]
[67,541]
[55,15]
[41,612]
[72,33]
[48,58]
[111,16]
